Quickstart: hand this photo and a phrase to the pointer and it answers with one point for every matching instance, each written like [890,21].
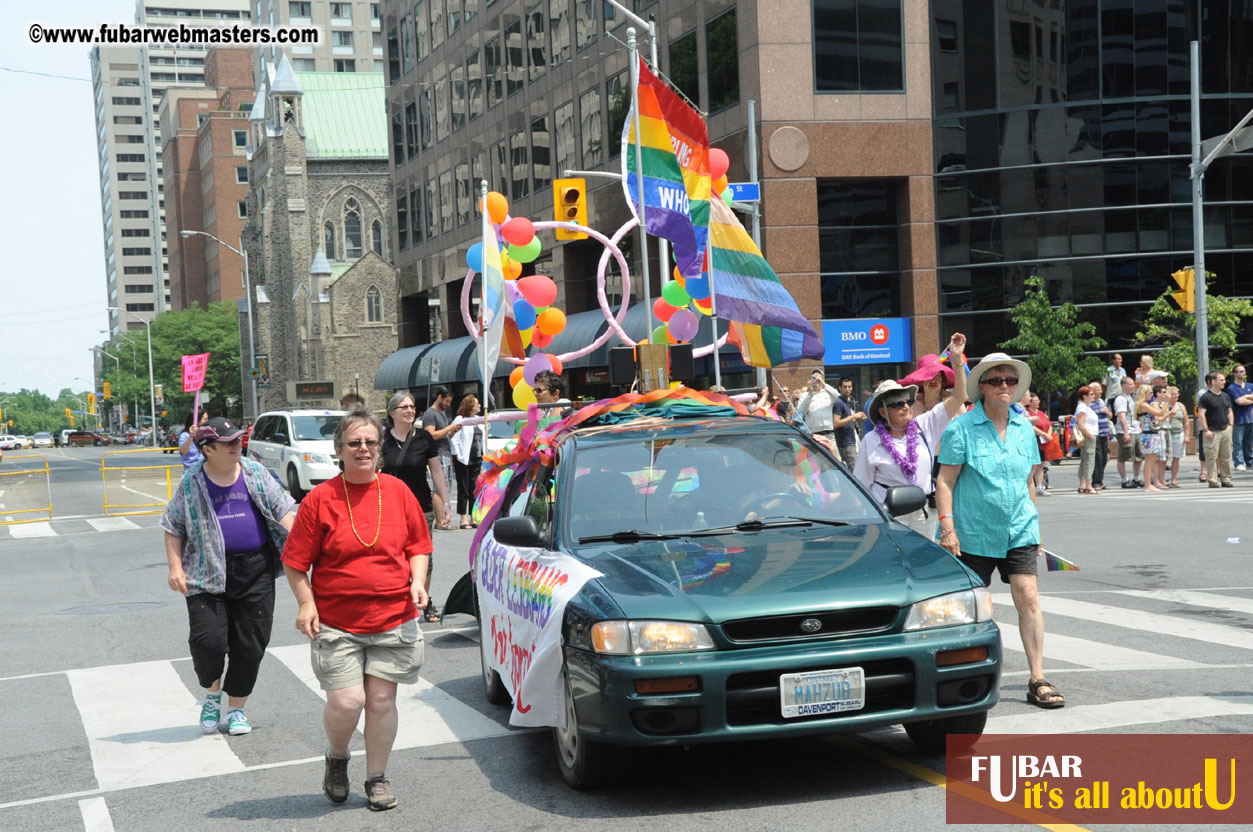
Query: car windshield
[705,480]
[43,436]
[315,427]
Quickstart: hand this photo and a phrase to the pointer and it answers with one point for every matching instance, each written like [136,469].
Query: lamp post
[152,389]
[118,361]
[252,349]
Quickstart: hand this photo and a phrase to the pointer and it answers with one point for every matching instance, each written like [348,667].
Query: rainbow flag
[765,320]
[667,202]
[1057,563]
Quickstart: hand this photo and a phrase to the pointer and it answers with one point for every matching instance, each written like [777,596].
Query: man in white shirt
[815,406]
[1127,428]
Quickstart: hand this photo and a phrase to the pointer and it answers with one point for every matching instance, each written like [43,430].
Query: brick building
[317,234]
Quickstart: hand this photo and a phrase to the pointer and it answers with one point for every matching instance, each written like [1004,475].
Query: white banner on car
[522,599]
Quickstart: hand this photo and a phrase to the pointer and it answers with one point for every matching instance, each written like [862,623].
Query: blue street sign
[745,191]
[867,341]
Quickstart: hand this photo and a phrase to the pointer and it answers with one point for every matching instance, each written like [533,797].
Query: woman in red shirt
[361,537]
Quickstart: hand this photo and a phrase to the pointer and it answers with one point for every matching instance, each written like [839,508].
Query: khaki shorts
[1127,451]
[341,659]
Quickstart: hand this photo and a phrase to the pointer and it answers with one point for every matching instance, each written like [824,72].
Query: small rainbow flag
[1057,563]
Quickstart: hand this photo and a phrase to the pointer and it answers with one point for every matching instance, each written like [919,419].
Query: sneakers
[1039,491]
[335,779]
[1228,485]
[237,723]
[378,790]
[1240,466]
[211,712]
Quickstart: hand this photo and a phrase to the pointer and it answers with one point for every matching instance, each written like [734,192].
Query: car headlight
[965,607]
[637,638]
[321,458]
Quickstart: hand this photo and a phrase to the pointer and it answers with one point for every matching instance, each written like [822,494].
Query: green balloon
[528,252]
[659,335]
[726,197]
[675,295]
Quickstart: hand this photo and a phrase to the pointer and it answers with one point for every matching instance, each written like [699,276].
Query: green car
[749,588]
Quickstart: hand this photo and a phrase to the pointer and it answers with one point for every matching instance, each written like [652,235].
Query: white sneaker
[1240,466]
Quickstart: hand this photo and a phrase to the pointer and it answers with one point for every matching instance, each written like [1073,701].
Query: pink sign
[194,368]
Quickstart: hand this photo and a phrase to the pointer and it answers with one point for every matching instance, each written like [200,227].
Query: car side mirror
[904,499]
[522,532]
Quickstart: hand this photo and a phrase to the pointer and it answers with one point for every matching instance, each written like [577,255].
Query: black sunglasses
[357,443]
[1000,381]
[899,404]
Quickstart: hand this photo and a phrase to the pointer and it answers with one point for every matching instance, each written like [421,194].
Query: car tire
[493,686]
[584,765]
[293,484]
[931,735]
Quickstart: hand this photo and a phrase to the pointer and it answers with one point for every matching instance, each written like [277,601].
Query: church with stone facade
[318,237]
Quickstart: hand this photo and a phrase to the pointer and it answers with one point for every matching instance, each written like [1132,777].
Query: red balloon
[541,339]
[518,231]
[539,290]
[556,362]
[662,310]
[718,162]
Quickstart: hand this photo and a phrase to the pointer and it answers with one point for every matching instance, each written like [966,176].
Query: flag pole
[663,245]
[713,314]
[639,176]
[487,229]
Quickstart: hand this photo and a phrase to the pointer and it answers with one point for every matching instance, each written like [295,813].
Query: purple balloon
[535,364]
[683,325]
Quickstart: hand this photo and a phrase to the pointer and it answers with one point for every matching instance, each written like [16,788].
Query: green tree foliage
[1052,340]
[33,411]
[174,334]
[1175,332]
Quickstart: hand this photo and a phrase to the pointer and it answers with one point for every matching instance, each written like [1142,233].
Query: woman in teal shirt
[986,504]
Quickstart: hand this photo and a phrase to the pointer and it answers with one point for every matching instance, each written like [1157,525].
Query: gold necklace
[351,523]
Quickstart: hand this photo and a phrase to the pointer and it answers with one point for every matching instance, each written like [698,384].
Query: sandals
[467,525]
[1053,698]
[431,614]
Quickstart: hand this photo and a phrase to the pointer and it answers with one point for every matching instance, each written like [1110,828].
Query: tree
[1052,340]
[174,334]
[1175,331]
[33,411]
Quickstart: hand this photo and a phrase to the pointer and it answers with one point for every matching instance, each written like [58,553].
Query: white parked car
[297,446]
[9,442]
[43,439]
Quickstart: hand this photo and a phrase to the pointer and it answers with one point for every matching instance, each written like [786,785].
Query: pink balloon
[518,231]
[535,364]
[662,310]
[538,289]
[718,162]
[683,325]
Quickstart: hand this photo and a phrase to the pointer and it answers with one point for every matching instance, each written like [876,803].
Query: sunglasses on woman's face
[371,444]
[900,404]
[1000,381]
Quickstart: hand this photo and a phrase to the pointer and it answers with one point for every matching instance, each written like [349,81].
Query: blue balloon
[474,257]
[523,314]
[698,287]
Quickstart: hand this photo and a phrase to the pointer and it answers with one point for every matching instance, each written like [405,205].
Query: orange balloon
[497,207]
[679,278]
[720,184]
[551,321]
[670,336]
[515,376]
[556,362]
[512,268]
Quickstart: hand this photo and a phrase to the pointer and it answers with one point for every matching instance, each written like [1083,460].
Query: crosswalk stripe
[29,530]
[95,815]
[1076,718]
[428,715]
[141,727]
[1151,622]
[1192,598]
[1087,653]
[111,524]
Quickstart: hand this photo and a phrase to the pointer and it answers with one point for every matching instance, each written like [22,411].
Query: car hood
[774,572]
[315,446]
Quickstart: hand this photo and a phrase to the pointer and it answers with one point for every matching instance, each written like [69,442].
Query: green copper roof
[345,115]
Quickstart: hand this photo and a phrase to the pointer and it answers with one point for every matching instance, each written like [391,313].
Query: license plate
[822,692]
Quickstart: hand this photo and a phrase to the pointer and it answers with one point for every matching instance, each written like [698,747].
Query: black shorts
[1020,560]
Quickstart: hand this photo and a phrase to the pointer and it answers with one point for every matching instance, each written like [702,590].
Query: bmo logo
[879,334]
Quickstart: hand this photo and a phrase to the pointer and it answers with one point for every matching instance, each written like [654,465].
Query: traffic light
[69,414]
[1186,296]
[91,403]
[570,205]
[107,390]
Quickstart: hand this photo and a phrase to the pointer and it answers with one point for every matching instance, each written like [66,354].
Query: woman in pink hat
[933,377]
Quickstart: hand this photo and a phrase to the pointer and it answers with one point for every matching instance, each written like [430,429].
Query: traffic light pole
[1198,226]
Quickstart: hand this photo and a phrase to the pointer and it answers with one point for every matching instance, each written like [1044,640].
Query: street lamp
[152,388]
[103,351]
[252,349]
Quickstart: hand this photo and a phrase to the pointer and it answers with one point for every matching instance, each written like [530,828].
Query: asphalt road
[97,695]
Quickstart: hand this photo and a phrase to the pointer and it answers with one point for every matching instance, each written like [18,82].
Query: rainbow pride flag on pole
[667,203]
[765,320]
[493,309]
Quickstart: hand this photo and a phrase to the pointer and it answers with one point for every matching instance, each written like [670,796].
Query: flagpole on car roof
[639,176]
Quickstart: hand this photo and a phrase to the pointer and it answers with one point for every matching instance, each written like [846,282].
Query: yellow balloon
[526,336]
[523,395]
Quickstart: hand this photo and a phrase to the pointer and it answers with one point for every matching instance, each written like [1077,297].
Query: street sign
[745,191]
[1240,142]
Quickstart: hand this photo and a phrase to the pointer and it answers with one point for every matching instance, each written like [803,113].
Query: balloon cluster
[531,297]
[679,322]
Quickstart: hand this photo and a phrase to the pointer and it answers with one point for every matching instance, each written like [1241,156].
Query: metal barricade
[136,486]
[25,489]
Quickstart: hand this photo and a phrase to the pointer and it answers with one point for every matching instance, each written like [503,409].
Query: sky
[52,287]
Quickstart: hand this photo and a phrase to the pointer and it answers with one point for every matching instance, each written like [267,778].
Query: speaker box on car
[681,364]
[622,366]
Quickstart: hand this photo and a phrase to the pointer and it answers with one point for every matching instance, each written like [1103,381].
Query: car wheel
[293,484]
[584,764]
[930,735]
[493,686]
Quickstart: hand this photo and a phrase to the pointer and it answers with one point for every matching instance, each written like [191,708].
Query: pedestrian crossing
[63,527]
[134,725]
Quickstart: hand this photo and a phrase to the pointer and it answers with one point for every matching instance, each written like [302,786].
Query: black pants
[236,623]
[1102,459]
[466,476]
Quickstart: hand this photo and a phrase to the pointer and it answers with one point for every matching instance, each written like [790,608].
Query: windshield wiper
[778,522]
[635,536]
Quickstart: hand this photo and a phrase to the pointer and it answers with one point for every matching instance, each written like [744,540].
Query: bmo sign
[867,341]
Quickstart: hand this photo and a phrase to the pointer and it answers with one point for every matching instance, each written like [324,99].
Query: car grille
[753,698]
[834,623]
